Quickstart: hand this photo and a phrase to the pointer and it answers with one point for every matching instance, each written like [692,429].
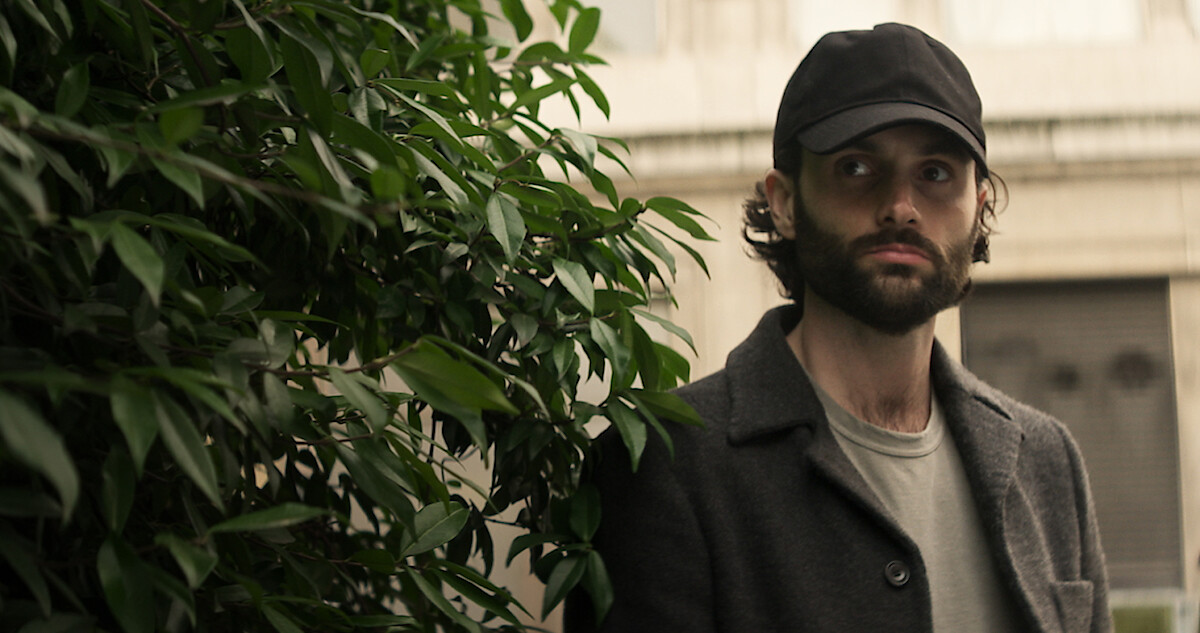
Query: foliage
[273,274]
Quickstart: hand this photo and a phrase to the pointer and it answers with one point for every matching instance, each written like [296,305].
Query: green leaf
[140,258]
[654,245]
[449,184]
[450,136]
[360,398]
[514,11]
[280,622]
[60,623]
[619,355]
[373,61]
[29,189]
[645,354]
[196,233]
[304,74]
[679,213]
[350,132]
[180,124]
[380,488]
[170,587]
[35,14]
[466,588]
[249,51]
[583,144]
[20,555]
[526,541]
[280,516]
[439,379]
[585,512]
[118,161]
[31,441]
[379,561]
[631,428]
[22,503]
[598,585]
[118,483]
[584,30]
[195,561]
[536,95]
[667,405]
[403,622]
[424,86]
[73,91]
[134,412]
[435,525]
[534,195]
[173,164]
[593,90]
[506,225]
[668,326]
[525,326]
[566,574]
[225,93]
[435,596]
[387,183]
[8,41]
[576,279]
[196,383]
[126,585]
[183,441]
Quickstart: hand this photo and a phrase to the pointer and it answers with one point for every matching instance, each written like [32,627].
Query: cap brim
[839,130]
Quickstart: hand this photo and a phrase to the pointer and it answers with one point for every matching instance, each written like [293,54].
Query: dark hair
[758,229]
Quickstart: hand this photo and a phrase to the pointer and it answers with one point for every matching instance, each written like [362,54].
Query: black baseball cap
[855,83]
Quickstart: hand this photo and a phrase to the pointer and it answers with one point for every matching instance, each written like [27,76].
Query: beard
[893,298]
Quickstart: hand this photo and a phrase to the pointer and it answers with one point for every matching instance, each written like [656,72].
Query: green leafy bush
[272,274]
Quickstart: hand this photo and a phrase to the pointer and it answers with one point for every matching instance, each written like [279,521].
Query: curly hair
[758,230]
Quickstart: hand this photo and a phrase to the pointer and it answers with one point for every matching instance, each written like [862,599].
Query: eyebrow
[944,144]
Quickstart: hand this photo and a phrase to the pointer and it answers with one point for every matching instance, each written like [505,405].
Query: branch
[183,35]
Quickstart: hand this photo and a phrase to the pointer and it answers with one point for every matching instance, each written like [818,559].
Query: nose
[898,205]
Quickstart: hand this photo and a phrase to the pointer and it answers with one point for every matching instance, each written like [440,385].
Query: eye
[936,173]
[854,167]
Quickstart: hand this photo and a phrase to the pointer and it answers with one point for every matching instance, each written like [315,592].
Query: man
[851,476]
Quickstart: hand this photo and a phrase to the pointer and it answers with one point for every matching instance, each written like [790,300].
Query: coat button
[897,573]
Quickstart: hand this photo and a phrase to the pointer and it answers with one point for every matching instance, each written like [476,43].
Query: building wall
[1185,302]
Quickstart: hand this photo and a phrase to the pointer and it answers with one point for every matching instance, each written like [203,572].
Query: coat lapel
[771,394]
[989,439]
[984,432]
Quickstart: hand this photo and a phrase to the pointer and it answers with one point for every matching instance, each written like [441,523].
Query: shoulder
[710,397]
[1041,434]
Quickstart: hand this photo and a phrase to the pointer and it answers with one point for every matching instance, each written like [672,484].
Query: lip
[896,253]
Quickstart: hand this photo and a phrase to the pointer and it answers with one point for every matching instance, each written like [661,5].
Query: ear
[780,197]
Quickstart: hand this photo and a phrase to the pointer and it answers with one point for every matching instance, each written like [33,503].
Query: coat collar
[770,393]
[769,390]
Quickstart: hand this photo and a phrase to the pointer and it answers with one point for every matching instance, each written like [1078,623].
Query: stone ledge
[1025,148]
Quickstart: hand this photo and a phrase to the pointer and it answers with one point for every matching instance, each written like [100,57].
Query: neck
[881,378]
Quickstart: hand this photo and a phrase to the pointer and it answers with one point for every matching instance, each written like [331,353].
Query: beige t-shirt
[920,479]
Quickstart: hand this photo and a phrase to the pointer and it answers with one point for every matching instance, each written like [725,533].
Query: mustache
[893,235]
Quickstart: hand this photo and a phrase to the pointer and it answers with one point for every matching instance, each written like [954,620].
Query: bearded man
[851,475]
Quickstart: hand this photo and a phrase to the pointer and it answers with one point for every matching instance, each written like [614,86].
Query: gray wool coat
[761,524]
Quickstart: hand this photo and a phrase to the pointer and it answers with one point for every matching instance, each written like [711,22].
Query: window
[1098,357]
